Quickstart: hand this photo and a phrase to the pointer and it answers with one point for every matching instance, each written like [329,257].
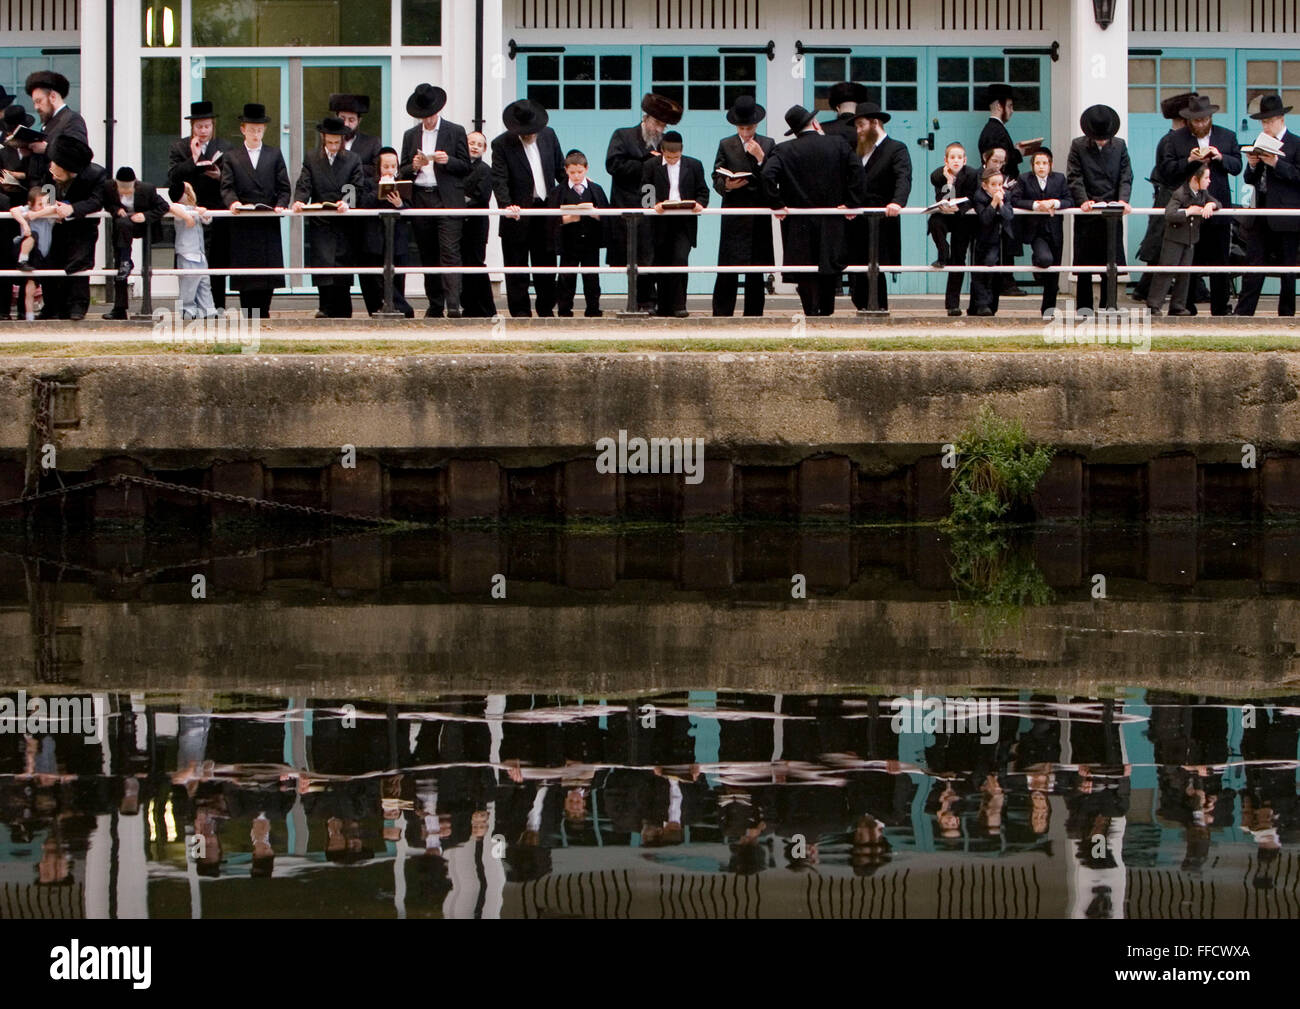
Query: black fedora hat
[70,154]
[201,110]
[1099,122]
[15,116]
[870,110]
[525,117]
[796,117]
[356,104]
[426,100]
[662,108]
[1269,106]
[845,91]
[745,111]
[1199,107]
[49,80]
[254,112]
[333,126]
[1172,107]
[998,93]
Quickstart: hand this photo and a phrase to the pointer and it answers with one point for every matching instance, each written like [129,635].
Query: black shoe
[1181,312]
[76,316]
[1155,311]
[1012,291]
[682,314]
[25,266]
[647,306]
[430,313]
[981,311]
[953,312]
[938,264]
[455,313]
[565,315]
[591,313]
[321,314]
[117,313]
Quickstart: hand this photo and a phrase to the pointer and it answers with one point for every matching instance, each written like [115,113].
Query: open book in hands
[954,203]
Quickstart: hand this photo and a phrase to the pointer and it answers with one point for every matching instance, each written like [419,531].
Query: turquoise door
[591,91]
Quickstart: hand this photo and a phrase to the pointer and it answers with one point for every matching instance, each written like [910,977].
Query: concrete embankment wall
[800,435]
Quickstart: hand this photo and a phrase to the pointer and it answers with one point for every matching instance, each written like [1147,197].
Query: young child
[196,291]
[952,231]
[372,238]
[1189,206]
[996,218]
[675,177]
[578,237]
[36,222]
[1044,190]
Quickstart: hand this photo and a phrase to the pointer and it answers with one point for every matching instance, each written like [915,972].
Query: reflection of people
[263,853]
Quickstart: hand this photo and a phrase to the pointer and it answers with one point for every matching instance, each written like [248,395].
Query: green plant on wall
[997,470]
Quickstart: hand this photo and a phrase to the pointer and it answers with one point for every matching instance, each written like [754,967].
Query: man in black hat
[1273,241]
[1153,238]
[1098,171]
[744,240]
[675,178]
[1002,106]
[135,207]
[527,165]
[435,156]
[887,171]
[79,192]
[844,98]
[15,160]
[253,173]
[327,173]
[629,150]
[49,92]
[1204,143]
[813,170]
[350,109]
[196,159]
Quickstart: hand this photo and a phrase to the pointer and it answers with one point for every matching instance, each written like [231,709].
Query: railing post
[873,267]
[1110,294]
[389,220]
[632,308]
[146,275]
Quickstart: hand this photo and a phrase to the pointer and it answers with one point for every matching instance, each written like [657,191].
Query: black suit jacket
[888,174]
[182,168]
[743,239]
[1098,175]
[1278,186]
[512,176]
[451,176]
[965,184]
[994,135]
[994,222]
[367,149]
[1182,228]
[73,244]
[845,127]
[587,234]
[1027,193]
[255,241]
[813,170]
[147,202]
[691,185]
[332,237]
[1175,169]
[65,122]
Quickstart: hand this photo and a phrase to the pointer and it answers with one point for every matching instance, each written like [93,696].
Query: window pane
[828,68]
[1026,99]
[733,91]
[900,99]
[544,68]
[739,68]
[704,68]
[1021,68]
[864,68]
[954,99]
[291,23]
[616,68]
[1291,98]
[1141,100]
[1175,71]
[579,68]
[160,24]
[873,93]
[545,94]
[579,96]
[1211,71]
[900,68]
[615,96]
[1290,72]
[160,93]
[705,96]
[989,70]
[820,101]
[1141,71]
[674,91]
[1261,72]
[667,68]
[422,22]
[1217,96]
[954,69]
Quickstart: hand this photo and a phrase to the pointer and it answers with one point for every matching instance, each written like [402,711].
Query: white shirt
[534,157]
[674,181]
[331,159]
[1202,142]
[1042,184]
[253,154]
[867,157]
[428,144]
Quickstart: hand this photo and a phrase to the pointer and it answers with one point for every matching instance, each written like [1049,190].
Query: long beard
[651,137]
[866,141]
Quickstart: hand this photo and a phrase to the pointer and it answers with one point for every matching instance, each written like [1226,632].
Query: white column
[1096,64]
[94,74]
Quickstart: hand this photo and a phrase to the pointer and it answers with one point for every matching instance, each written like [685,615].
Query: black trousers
[1212,249]
[8,260]
[256,302]
[125,231]
[817,293]
[1172,254]
[64,297]
[1265,247]
[1044,254]
[860,286]
[567,283]
[724,294]
[1090,250]
[438,239]
[336,300]
[986,288]
[528,243]
[672,248]
[957,237]
[372,285]
[476,288]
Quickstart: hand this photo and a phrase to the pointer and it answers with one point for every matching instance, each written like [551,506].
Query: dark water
[655,724]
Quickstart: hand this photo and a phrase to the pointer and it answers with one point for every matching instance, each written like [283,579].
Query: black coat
[72,246]
[625,161]
[691,185]
[586,233]
[813,170]
[744,240]
[1149,250]
[65,122]
[888,180]
[367,149]
[995,223]
[1100,175]
[1040,225]
[844,126]
[255,241]
[994,135]
[147,201]
[1278,186]
[451,176]
[478,196]
[330,238]
[1182,228]
[372,228]
[512,178]
[1175,169]
[181,167]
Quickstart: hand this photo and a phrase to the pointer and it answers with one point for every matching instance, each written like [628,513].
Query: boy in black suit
[675,177]
[1190,205]
[995,217]
[952,232]
[1044,190]
[136,208]
[578,238]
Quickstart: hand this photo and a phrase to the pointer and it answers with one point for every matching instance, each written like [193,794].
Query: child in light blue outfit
[36,221]
[196,291]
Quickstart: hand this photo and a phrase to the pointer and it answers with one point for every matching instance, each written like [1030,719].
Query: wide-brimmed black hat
[15,116]
[796,117]
[1099,122]
[201,110]
[6,99]
[745,111]
[48,79]
[525,117]
[254,112]
[662,108]
[70,154]
[870,110]
[846,91]
[1172,107]
[998,93]
[356,104]
[426,100]
[333,126]
[1198,108]
[1269,106]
